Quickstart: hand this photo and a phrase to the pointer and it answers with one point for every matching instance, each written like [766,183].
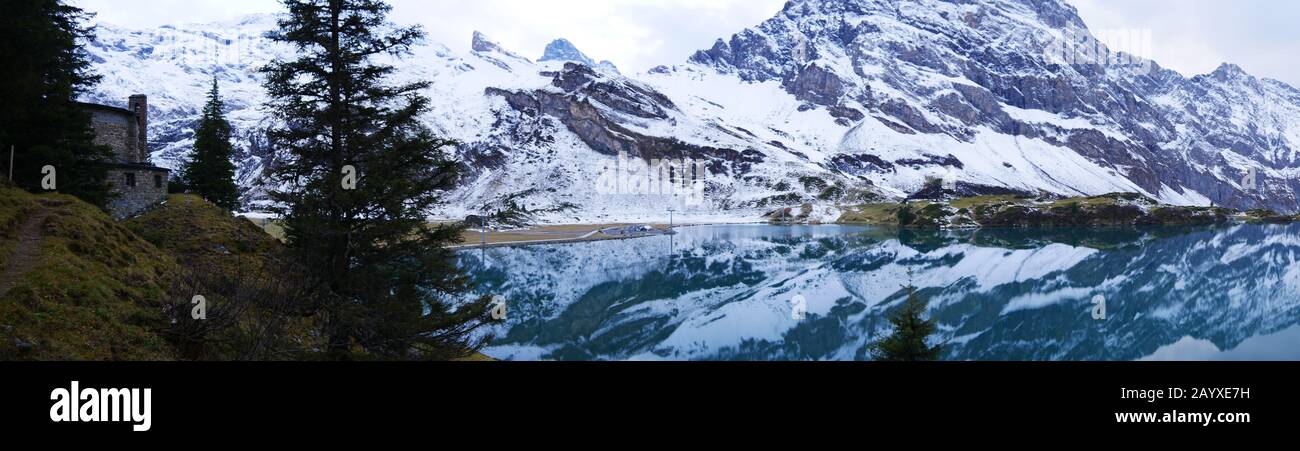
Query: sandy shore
[537,235]
[553,234]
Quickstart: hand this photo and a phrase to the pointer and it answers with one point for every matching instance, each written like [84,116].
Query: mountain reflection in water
[725,293]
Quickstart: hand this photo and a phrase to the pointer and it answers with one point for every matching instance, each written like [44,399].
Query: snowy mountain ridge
[828,103]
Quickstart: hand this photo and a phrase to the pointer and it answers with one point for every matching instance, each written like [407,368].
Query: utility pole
[11,163]
[482,228]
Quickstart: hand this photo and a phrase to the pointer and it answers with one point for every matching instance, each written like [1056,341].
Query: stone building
[135,184]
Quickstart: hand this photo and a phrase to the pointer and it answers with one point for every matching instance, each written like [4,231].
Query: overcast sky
[1191,36]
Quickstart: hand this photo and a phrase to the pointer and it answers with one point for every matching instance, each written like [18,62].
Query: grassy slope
[98,287]
[880,213]
[97,290]
[996,210]
[94,291]
[196,231]
[205,238]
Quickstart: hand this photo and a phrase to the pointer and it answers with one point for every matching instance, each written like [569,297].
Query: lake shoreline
[969,213]
[558,234]
[597,237]
[1109,210]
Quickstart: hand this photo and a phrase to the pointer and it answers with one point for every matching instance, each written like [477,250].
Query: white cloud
[152,13]
[634,34]
[1191,36]
[1196,36]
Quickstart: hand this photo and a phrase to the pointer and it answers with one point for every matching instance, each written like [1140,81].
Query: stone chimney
[139,104]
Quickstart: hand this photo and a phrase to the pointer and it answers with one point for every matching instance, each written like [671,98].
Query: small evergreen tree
[210,173]
[908,341]
[46,69]
[905,215]
[362,176]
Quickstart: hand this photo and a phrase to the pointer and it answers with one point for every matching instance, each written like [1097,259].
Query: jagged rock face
[877,95]
[575,105]
[817,85]
[895,59]
[620,94]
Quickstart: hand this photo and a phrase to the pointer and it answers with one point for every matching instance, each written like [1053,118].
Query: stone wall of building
[135,184]
[139,106]
[116,130]
[150,189]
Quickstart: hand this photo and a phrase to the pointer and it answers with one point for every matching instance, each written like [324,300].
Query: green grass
[879,213]
[1016,211]
[98,288]
[94,292]
[193,229]
[227,254]
[970,203]
[1103,200]
[271,227]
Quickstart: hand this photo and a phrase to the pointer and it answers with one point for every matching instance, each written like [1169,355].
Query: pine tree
[210,173]
[905,215]
[362,176]
[908,341]
[46,69]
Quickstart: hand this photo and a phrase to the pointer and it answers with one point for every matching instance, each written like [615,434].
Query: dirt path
[25,254]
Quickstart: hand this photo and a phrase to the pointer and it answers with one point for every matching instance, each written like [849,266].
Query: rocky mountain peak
[563,50]
[607,65]
[1228,72]
[482,44]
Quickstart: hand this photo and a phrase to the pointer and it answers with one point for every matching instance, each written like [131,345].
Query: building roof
[137,166]
[111,109]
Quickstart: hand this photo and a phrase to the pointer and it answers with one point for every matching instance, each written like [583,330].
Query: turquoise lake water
[757,292]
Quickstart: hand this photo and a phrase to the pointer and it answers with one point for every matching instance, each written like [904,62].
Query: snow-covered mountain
[563,50]
[829,102]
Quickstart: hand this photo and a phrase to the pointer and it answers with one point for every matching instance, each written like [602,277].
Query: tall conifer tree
[210,173]
[362,175]
[45,70]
